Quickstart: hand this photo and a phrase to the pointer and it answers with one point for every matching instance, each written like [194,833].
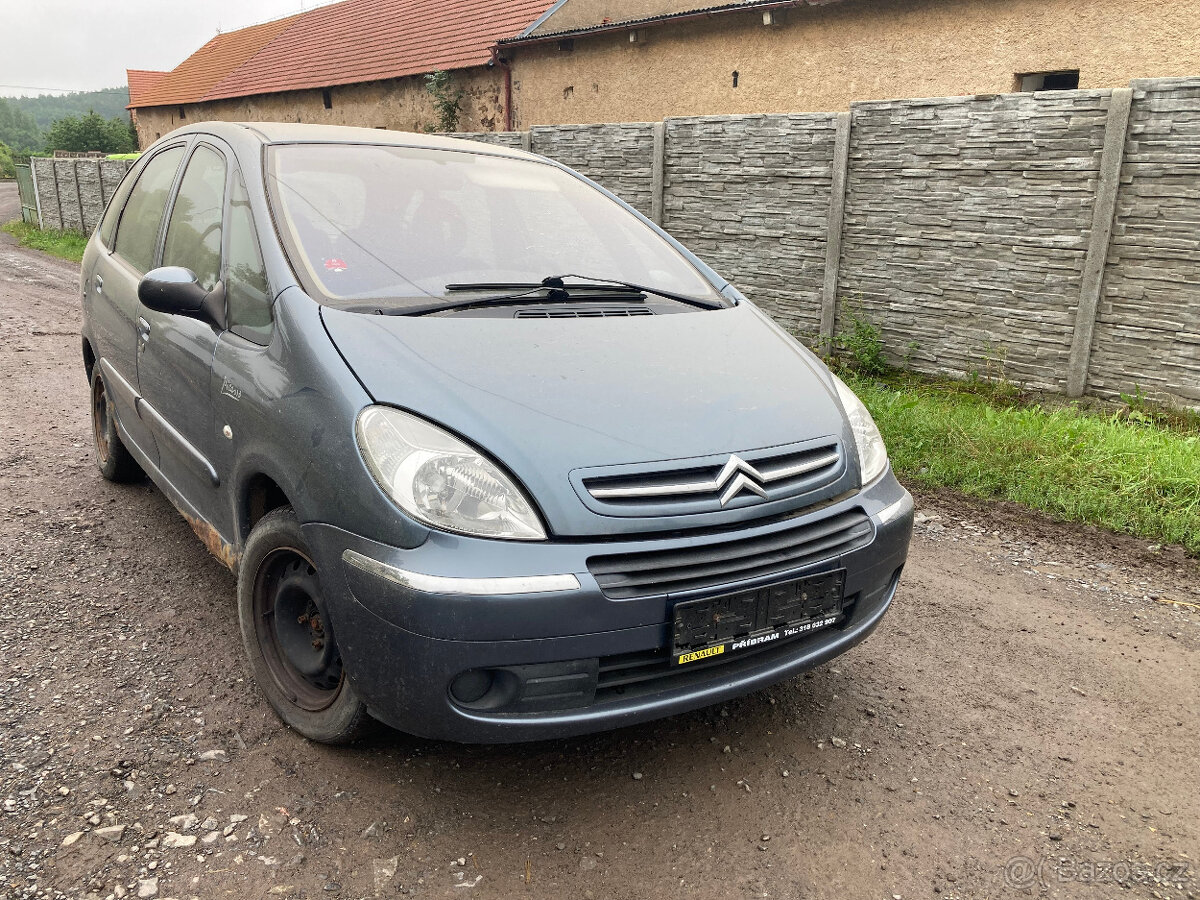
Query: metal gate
[28,192]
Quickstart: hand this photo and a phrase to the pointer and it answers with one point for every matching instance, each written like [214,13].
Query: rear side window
[109,223]
[194,232]
[137,232]
[246,290]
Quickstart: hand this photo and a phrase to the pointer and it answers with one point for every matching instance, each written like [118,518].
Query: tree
[7,167]
[18,129]
[447,99]
[91,132]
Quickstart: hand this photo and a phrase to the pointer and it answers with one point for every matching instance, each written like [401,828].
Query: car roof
[294,132]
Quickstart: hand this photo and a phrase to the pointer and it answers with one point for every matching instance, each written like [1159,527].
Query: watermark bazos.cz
[1028,872]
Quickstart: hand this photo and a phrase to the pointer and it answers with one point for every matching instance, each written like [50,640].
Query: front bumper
[573,660]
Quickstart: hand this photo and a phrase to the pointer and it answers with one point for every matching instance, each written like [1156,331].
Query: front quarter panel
[291,409]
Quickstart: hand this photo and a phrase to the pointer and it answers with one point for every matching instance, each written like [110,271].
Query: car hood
[548,397]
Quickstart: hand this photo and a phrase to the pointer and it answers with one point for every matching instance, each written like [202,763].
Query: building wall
[400,104]
[823,58]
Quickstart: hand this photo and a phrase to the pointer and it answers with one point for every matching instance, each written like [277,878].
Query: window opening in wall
[181,113]
[735,77]
[566,46]
[1062,80]
[327,98]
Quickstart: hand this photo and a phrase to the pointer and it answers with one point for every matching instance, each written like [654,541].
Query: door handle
[143,329]
[99,284]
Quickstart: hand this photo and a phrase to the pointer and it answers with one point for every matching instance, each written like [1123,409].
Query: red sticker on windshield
[335,265]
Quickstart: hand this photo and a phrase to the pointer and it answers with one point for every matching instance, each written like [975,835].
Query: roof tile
[345,43]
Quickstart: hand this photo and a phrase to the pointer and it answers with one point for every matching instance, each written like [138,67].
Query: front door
[113,284]
[177,351]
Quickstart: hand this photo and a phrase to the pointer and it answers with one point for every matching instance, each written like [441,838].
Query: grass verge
[1127,475]
[63,244]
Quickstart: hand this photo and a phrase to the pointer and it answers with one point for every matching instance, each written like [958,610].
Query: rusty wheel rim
[101,419]
[292,627]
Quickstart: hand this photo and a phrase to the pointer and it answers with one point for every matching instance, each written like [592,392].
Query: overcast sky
[83,45]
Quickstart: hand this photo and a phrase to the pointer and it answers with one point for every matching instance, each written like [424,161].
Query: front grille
[680,570]
[585,312]
[711,484]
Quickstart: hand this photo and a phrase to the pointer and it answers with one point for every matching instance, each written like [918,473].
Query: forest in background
[49,122]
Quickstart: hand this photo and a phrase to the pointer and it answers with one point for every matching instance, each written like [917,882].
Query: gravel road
[1025,719]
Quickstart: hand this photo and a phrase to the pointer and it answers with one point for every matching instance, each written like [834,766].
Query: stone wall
[966,227]
[617,156]
[72,193]
[972,231]
[1150,304]
[750,196]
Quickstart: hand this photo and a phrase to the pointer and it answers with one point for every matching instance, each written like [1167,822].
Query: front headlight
[872,455]
[442,481]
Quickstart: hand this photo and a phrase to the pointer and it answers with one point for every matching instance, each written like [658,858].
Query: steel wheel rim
[290,620]
[100,419]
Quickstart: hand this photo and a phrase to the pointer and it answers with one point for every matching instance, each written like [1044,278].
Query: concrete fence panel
[620,156]
[72,193]
[750,195]
[966,228]
[1147,334]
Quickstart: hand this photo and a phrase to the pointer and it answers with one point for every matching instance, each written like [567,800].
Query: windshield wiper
[608,285]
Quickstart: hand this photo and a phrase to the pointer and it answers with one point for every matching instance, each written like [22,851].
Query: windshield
[397,225]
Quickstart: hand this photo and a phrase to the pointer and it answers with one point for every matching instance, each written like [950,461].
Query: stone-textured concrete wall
[966,228]
[824,57]
[617,156]
[1148,324]
[72,193]
[967,224]
[750,196]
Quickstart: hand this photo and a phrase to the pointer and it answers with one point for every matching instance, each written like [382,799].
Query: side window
[137,233]
[194,231]
[247,293]
[112,213]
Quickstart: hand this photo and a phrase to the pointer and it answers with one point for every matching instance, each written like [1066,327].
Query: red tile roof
[189,81]
[141,82]
[345,43]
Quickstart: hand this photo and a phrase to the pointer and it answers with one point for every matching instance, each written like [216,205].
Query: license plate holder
[731,623]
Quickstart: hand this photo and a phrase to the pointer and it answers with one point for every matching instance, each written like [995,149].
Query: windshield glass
[399,224]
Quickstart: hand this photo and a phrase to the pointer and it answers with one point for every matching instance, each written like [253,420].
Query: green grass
[1074,463]
[63,244]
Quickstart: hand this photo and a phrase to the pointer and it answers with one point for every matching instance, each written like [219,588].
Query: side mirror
[175,290]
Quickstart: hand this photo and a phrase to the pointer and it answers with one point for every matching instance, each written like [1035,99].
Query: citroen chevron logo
[738,475]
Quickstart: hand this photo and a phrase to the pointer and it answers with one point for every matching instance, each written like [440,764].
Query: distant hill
[46,108]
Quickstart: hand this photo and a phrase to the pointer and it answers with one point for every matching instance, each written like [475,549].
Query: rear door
[130,233]
[177,351]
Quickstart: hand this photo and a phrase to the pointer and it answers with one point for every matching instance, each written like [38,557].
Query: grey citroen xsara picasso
[492,456]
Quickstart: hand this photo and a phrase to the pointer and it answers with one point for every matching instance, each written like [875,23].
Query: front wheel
[288,637]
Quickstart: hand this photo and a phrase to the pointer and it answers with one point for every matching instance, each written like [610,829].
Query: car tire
[289,640]
[113,459]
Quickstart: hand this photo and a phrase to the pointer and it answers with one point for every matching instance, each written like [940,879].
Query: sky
[84,45]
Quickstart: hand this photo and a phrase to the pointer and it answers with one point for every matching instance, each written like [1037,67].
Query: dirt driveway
[1029,709]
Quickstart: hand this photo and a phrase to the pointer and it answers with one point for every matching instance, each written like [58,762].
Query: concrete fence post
[527,141]
[657,176]
[1103,211]
[833,240]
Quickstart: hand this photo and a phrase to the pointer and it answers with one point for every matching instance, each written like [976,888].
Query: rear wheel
[289,641]
[115,462]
